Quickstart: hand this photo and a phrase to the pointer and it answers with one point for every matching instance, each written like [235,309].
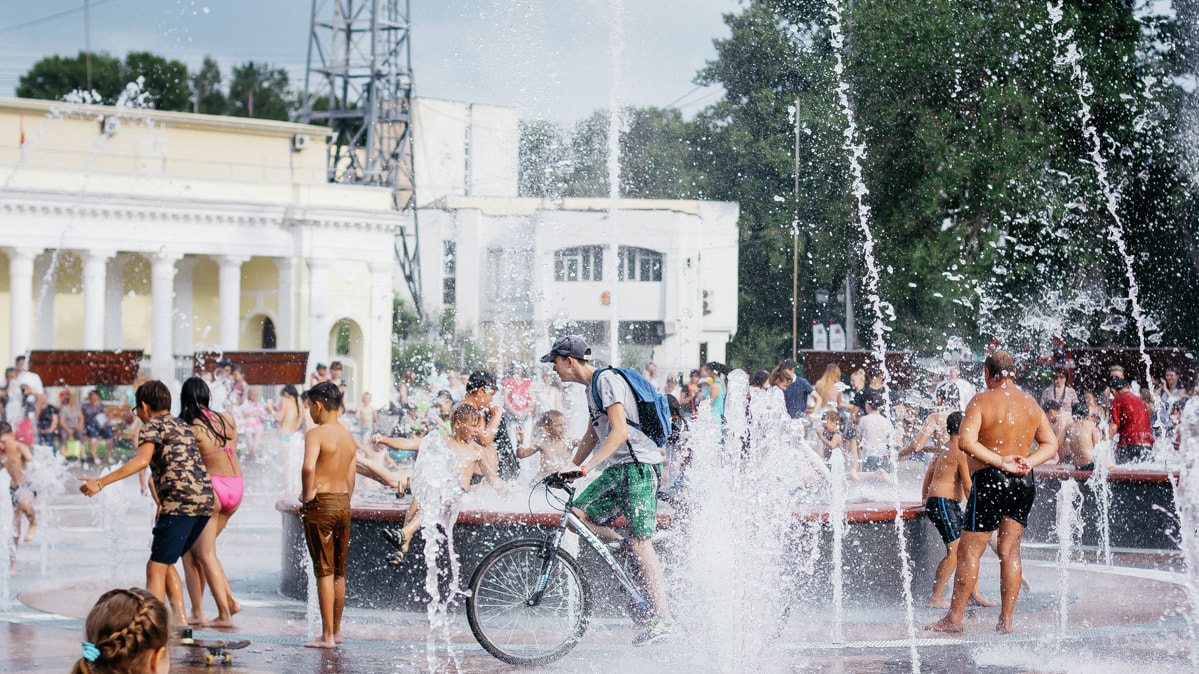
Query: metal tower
[359,82]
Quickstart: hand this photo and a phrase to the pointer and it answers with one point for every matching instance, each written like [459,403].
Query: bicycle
[529,601]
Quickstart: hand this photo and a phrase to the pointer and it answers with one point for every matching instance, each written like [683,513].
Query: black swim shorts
[997,494]
[946,516]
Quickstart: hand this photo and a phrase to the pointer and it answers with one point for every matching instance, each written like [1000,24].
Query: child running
[466,422]
[126,631]
[327,484]
[1079,438]
[16,459]
[946,483]
[555,450]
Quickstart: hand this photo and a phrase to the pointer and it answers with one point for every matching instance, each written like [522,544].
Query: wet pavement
[1127,618]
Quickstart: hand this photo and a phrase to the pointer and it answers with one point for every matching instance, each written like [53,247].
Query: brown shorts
[327,529]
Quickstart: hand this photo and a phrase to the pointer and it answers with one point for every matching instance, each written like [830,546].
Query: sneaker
[659,628]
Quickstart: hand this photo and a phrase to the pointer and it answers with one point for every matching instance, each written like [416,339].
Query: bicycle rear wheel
[498,608]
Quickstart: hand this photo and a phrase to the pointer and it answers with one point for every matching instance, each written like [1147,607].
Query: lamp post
[822,300]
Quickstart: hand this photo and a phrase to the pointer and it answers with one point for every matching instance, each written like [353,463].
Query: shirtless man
[998,430]
[16,459]
[946,483]
[327,484]
[556,451]
[946,398]
[467,425]
[1079,438]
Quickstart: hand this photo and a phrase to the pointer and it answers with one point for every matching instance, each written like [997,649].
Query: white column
[286,327]
[318,329]
[20,288]
[184,310]
[114,293]
[95,277]
[162,282]
[45,287]
[230,300]
[378,367]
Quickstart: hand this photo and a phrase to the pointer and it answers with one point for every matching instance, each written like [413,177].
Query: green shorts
[628,489]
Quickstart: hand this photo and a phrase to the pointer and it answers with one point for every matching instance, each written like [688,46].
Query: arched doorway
[258,332]
[346,347]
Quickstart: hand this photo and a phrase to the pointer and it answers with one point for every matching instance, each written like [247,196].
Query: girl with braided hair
[127,631]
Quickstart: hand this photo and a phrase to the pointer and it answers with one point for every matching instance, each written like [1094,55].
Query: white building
[174,232]
[523,270]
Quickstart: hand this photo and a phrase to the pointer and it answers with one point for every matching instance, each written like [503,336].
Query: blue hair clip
[90,652]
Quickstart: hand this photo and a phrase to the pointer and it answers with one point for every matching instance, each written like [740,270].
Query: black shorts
[175,535]
[946,516]
[1090,465]
[997,494]
[1133,453]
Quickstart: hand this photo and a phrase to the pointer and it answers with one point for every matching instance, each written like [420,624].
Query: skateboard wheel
[228,658]
[210,659]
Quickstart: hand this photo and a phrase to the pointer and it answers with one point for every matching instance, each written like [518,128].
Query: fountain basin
[871,553]
[1142,507]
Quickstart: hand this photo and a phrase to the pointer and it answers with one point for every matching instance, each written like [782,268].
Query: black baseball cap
[572,346]
[480,379]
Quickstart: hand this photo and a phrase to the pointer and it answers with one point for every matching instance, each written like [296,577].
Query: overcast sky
[549,58]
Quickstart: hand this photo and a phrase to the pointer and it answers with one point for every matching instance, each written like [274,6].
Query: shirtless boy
[1079,438]
[467,425]
[16,459]
[997,433]
[555,450]
[327,483]
[946,483]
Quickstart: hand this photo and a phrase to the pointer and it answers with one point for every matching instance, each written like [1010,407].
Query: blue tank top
[718,403]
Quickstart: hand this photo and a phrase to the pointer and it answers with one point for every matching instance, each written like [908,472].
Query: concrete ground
[1126,618]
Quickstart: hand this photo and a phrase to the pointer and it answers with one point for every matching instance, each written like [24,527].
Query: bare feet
[234,606]
[977,599]
[30,533]
[197,621]
[321,643]
[1004,626]
[937,602]
[1024,586]
[944,625]
[221,622]
[337,638]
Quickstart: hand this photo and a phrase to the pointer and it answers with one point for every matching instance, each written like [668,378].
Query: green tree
[54,77]
[544,159]
[208,98]
[166,81]
[259,90]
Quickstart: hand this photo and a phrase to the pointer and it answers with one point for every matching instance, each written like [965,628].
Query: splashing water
[438,489]
[312,606]
[1072,59]
[836,519]
[48,476]
[110,518]
[905,562]
[1069,529]
[1186,504]
[6,541]
[1101,485]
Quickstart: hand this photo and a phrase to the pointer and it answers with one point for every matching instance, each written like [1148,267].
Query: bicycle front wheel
[504,619]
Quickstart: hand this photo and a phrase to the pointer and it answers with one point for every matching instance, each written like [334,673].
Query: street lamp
[822,300]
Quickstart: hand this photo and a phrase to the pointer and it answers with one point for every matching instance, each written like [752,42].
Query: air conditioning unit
[299,142]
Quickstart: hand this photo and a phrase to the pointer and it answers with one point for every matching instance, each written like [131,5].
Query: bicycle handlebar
[561,480]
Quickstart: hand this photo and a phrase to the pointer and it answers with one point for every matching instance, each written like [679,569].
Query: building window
[639,264]
[509,274]
[449,272]
[583,263]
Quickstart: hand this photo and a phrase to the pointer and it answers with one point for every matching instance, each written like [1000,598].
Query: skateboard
[218,651]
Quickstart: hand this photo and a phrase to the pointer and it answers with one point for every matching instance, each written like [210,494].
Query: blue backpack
[653,411]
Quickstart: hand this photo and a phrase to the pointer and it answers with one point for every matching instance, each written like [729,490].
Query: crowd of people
[574,419]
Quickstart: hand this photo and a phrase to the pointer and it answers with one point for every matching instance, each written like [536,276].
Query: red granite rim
[1058,472]
[871,511]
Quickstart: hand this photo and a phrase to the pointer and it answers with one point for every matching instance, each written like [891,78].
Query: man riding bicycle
[631,464]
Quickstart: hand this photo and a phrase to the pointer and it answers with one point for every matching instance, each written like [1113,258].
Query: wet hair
[5,428]
[875,372]
[1117,384]
[720,369]
[948,394]
[548,417]
[444,396]
[193,402]
[1080,410]
[761,377]
[480,379]
[953,423]
[785,364]
[1000,365]
[832,375]
[874,401]
[832,415]
[1051,405]
[239,369]
[290,389]
[125,627]
[335,364]
[694,373]
[327,394]
[1059,371]
[155,395]
[465,413]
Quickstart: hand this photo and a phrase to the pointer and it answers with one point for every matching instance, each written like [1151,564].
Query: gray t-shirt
[613,389]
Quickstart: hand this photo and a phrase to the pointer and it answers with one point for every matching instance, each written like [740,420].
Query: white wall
[493,165]
[439,148]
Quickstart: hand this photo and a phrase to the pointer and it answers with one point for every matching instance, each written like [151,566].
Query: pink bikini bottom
[228,490]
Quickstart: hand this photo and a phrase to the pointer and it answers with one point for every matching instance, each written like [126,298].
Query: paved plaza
[1128,618]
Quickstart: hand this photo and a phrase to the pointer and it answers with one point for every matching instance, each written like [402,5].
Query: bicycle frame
[573,521]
